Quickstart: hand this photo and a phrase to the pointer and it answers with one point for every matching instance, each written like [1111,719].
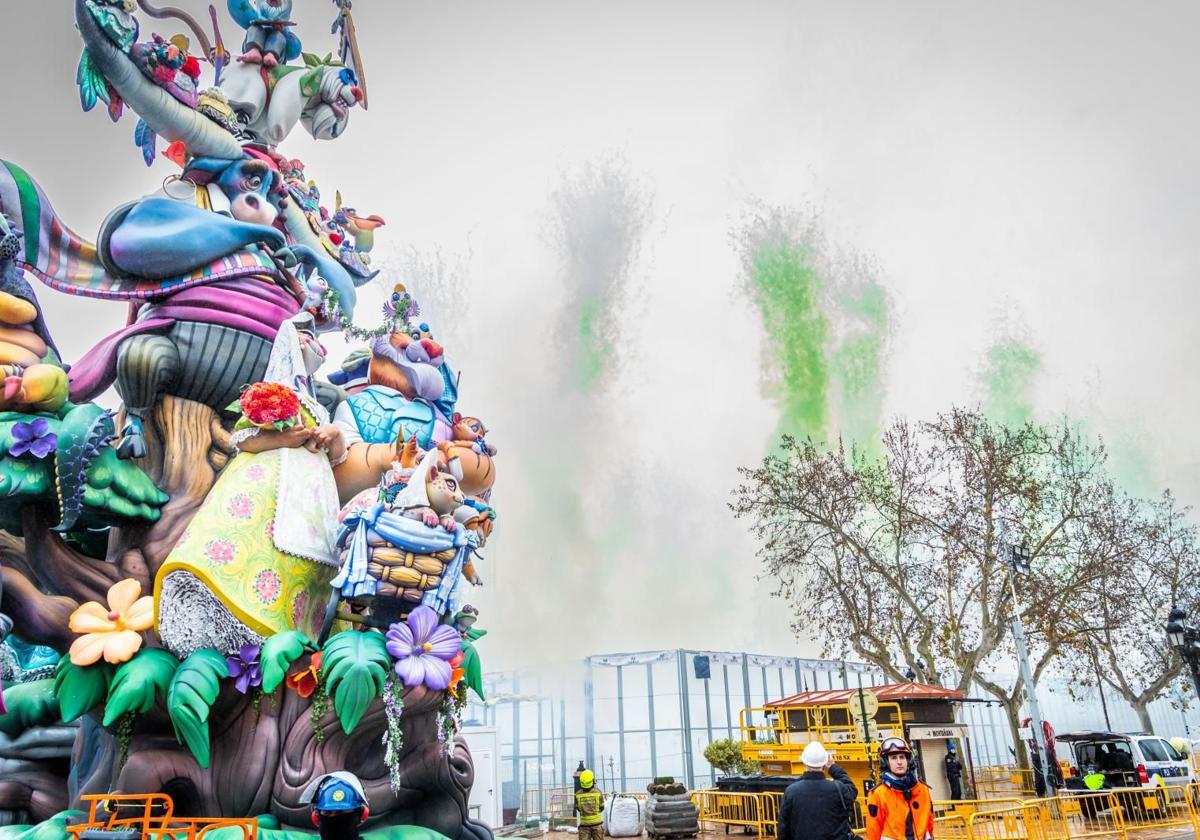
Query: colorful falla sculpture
[250,578]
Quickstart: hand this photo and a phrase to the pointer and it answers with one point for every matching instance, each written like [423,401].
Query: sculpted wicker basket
[404,574]
[390,563]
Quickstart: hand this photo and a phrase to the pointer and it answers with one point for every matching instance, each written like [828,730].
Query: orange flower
[456,671]
[304,682]
[112,632]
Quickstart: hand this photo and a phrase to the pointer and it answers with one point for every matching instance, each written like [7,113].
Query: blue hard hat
[337,795]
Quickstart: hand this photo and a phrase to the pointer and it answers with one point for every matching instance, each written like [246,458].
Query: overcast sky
[1029,164]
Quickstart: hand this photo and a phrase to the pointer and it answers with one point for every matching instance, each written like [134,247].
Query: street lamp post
[1018,560]
[1186,639]
[1183,710]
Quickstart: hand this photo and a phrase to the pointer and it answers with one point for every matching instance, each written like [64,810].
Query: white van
[1125,760]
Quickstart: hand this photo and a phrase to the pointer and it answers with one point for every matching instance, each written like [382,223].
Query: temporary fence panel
[1003,782]
[750,810]
[537,802]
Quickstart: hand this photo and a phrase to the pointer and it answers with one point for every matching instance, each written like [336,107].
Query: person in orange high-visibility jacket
[900,806]
[589,804]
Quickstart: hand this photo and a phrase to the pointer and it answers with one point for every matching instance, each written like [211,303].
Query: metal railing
[760,812]
[757,811]
[152,817]
[1141,812]
[538,802]
[787,730]
[1117,814]
[1003,782]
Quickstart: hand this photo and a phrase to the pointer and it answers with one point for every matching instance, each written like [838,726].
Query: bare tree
[904,557]
[1149,561]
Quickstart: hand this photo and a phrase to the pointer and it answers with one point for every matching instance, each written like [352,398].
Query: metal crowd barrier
[561,810]
[1119,814]
[535,802]
[1002,782]
[1126,814]
[759,812]
[735,808]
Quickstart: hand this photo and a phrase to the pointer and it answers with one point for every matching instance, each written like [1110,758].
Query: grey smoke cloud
[986,157]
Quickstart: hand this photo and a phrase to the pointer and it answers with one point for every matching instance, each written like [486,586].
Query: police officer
[953,771]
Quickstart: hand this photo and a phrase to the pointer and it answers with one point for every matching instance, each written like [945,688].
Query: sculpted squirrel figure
[443,497]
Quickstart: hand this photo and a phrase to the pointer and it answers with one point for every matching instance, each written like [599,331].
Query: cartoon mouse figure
[268,40]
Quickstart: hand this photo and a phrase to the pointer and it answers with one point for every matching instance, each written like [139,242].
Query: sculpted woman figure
[258,556]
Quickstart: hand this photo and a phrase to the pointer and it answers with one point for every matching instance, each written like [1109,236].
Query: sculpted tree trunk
[186,449]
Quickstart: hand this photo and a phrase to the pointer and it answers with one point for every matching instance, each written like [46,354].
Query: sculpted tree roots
[31,791]
[262,760]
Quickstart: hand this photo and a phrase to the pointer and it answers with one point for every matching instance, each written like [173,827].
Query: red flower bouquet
[269,405]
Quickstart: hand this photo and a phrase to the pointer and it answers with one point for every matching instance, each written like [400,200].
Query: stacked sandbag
[670,811]
[623,816]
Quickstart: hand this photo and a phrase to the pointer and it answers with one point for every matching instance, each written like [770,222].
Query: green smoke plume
[826,317]
[598,223]
[857,360]
[787,291]
[1009,373]
[1132,461]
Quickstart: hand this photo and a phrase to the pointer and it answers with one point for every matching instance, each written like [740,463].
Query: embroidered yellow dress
[262,542]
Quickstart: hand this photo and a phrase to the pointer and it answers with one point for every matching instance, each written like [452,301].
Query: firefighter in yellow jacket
[589,804]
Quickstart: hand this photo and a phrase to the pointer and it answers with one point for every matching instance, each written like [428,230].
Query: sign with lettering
[861,703]
[920,733]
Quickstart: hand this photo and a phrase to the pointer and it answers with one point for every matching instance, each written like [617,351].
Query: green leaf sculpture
[84,479]
[29,704]
[278,654]
[472,669]
[115,488]
[193,690]
[354,667]
[138,681]
[80,689]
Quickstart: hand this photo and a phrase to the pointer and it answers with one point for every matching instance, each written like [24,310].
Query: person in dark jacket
[815,807]
[953,772]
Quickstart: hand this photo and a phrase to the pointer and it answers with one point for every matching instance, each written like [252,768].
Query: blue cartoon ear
[274,182]
[203,170]
[293,46]
[243,11]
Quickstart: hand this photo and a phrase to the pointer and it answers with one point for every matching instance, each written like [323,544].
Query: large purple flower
[34,437]
[245,668]
[423,649]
